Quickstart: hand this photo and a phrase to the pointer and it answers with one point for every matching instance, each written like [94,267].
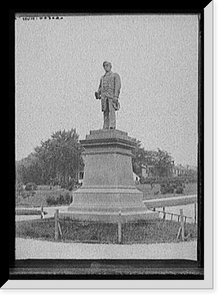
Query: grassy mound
[148,232]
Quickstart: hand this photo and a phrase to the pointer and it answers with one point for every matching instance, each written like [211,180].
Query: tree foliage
[56,161]
[162,163]
[159,161]
[29,170]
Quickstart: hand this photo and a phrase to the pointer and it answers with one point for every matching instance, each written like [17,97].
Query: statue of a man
[108,92]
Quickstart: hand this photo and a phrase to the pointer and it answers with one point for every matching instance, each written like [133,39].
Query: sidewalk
[36,249]
[50,210]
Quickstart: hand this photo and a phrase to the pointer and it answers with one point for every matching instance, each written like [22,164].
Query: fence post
[42,211]
[59,228]
[56,217]
[182,224]
[195,212]
[164,214]
[119,229]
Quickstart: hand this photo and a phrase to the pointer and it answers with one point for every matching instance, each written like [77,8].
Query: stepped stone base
[108,193]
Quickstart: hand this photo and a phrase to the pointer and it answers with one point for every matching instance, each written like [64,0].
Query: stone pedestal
[108,187]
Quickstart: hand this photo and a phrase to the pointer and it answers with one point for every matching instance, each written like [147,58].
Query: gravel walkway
[36,249]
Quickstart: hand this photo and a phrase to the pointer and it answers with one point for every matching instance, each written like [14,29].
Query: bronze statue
[108,92]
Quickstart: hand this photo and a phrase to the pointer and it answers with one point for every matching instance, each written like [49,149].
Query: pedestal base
[108,193]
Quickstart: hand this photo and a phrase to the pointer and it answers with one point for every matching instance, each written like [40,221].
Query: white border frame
[207,283]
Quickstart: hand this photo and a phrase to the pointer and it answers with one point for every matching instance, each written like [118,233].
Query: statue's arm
[98,93]
[100,87]
[117,85]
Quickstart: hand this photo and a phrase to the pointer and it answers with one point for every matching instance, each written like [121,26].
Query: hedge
[60,200]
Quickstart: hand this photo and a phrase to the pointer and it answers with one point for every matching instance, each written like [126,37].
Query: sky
[58,65]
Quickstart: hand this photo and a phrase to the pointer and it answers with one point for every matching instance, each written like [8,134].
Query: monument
[108,192]
[108,92]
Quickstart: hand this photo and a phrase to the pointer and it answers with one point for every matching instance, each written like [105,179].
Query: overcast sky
[59,65]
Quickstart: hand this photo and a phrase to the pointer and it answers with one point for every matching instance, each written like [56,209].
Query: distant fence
[173,216]
[159,205]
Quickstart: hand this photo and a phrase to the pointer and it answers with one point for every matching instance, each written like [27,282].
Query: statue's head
[107,66]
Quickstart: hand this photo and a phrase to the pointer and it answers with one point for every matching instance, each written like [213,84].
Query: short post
[171,217]
[195,212]
[164,214]
[119,233]
[56,217]
[42,211]
[59,228]
[182,224]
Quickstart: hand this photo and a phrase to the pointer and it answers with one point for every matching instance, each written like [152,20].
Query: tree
[60,157]
[160,161]
[138,158]
[56,160]
[29,170]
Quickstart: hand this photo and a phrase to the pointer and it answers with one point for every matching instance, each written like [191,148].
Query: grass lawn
[153,193]
[40,197]
[148,232]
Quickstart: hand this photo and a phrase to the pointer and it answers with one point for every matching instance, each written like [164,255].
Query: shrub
[30,186]
[70,185]
[68,198]
[179,190]
[51,200]
[168,185]
[166,188]
[27,194]
[60,200]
